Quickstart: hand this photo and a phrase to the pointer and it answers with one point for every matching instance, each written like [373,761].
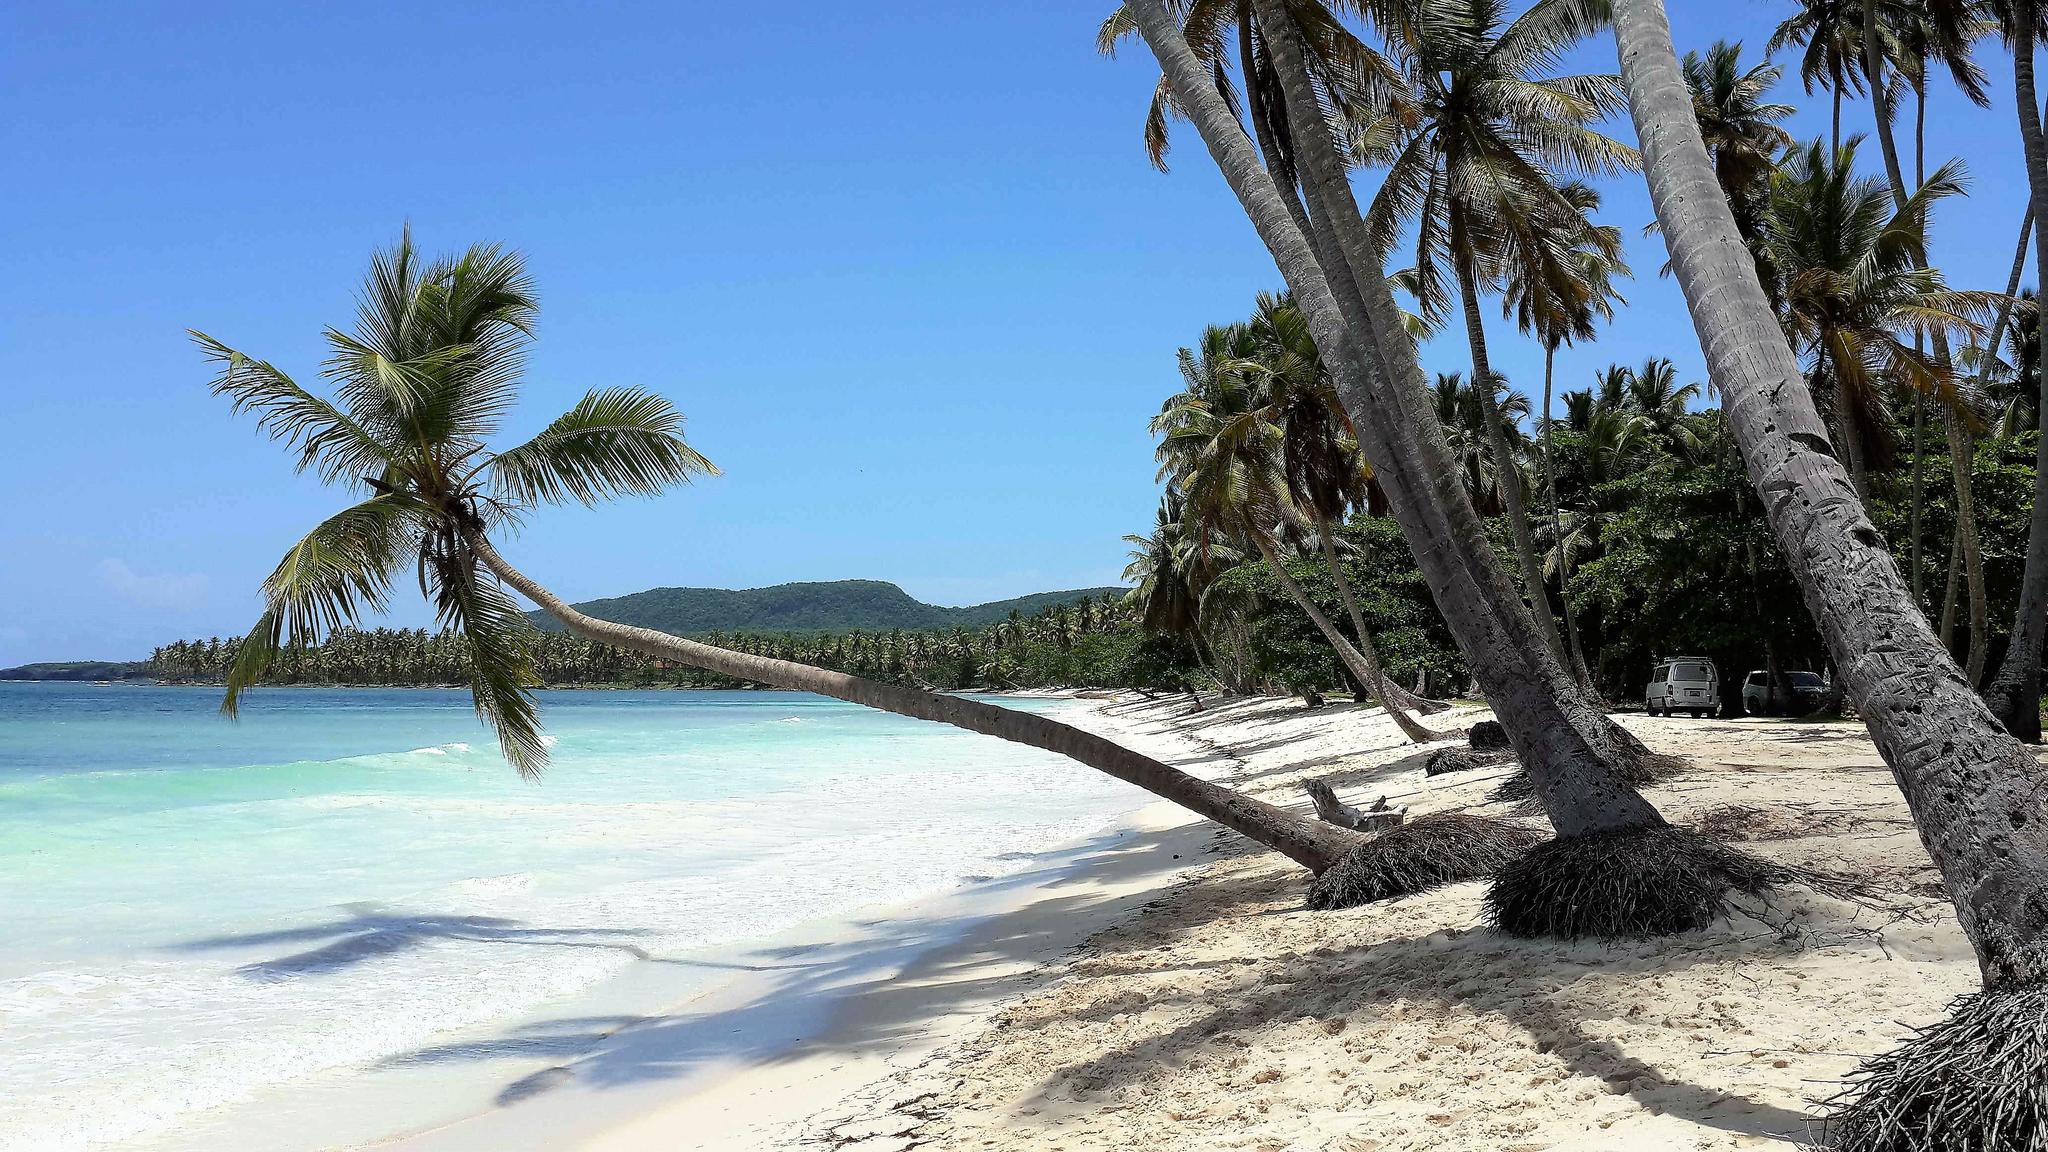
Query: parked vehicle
[1796,694]
[1683,684]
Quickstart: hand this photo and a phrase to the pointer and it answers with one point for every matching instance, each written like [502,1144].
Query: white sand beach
[1163,987]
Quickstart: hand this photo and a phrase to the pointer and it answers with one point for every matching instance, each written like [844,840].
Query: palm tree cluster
[1829,336]
[1261,459]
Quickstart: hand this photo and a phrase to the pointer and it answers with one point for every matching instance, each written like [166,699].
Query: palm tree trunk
[1569,749]
[1974,791]
[1850,438]
[1564,566]
[1507,473]
[1962,458]
[1392,696]
[1880,102]
[1367,672]
[2015,693]
[1312,844]
[1951,594]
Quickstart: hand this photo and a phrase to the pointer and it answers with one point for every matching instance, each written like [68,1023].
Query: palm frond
[319,432]
[614,442]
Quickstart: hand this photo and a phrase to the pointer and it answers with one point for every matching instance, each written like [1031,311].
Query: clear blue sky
[904,266]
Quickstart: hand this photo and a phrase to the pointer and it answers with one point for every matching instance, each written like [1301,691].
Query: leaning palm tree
[423,381]
[1857,291]
[1976,794]
[1221,449]
[1478,177]
[1326,474]
[1582,766]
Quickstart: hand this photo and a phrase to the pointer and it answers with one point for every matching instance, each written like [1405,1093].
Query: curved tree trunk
[1366,671]
[1569,748]
[1976,794]
[1394,696]
[2015,693]
[1310,843]
[1507,473]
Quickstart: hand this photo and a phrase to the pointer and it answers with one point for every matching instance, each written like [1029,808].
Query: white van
[1683,684]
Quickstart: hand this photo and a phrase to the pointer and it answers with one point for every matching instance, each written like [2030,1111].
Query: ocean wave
[440,749]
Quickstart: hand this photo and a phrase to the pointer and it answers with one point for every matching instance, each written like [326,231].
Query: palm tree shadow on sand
[878,987]
[368,933]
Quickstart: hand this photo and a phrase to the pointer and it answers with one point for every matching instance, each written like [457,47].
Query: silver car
[1797,694]
[1683,684]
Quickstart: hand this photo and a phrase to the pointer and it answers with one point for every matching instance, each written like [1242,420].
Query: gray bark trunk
[1311,844]
[1564,564]
[1391,696]
[1506,472]
[1961,458]
[2015,693]
[1975,792]
[1566,745]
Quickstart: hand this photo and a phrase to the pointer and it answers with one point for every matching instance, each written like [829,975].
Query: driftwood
[1377,818]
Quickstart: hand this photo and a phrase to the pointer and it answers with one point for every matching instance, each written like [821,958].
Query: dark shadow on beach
[878,988]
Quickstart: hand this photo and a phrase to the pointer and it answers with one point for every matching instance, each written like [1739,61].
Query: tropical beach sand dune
[1223,1015]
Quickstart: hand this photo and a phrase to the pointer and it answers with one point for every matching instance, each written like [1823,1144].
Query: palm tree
[1578,761]
[2015,692]
[1915,35]
[1462,414]
[1974,791]
[1478,174]
[1857,286]
[1223,452]
[433,365]
[1830,32]
[1325,472]
[1739,125]
[1169,570]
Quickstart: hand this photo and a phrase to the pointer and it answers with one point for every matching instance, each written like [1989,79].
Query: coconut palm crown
[429,372]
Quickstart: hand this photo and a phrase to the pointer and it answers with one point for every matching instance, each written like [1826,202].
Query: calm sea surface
[194,911]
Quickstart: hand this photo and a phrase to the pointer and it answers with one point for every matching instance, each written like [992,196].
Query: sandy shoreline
[1223,1015]
[830,1007]
[1160,985]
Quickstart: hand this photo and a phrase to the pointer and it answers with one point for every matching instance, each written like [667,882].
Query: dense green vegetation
[1092,641]
[824,606]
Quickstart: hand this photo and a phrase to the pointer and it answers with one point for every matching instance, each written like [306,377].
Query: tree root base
[1976,1082]
[1624,885]
[1447,760]
[1432,850]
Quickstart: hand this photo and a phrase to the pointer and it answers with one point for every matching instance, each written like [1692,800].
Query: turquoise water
[197,911]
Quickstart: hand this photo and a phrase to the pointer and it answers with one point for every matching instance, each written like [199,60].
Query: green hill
[828,606]
[79,670]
